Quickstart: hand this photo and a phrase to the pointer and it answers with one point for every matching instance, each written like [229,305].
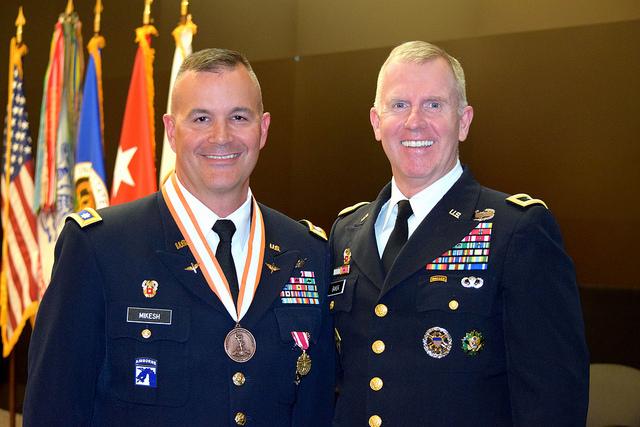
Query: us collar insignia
[274,247]
[272,267]
[180,244]
[472,343]
[454,213]
[484,215]
[149,288]
[193,267]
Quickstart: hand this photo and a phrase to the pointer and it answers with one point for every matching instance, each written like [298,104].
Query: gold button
[238,378]
[241,419]
[381,310]
[146,333]
[377,346]
[331,305]
[375,421]
[375,383]
[453,304]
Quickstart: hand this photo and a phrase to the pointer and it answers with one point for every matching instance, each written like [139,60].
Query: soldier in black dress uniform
[454,304]
[195,306]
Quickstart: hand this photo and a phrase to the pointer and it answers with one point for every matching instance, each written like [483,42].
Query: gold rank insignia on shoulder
[351,208]
[525,200]
[85,217]
[314,229]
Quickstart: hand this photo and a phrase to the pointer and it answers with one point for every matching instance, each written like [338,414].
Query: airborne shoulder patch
[314,229]
[352,208]
[524,200]
[85,217]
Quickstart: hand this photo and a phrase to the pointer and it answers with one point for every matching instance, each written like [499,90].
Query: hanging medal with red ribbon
[303,364]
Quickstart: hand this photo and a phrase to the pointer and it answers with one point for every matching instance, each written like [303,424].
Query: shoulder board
[85,217]
[524,200]
[351,208]
[314,229]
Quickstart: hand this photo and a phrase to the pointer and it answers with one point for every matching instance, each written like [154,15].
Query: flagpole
[16,51]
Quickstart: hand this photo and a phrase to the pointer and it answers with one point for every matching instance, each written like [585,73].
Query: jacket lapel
[271,280]
[364,247]
[439,231]
[178,259]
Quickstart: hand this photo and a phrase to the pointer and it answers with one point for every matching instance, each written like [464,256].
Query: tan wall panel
[338,26]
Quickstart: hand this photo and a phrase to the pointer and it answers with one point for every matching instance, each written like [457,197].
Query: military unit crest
[149,288]
[300,290]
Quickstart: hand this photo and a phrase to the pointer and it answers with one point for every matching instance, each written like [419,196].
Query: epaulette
[352,208]
[314,229]
[85,217]
[525,200]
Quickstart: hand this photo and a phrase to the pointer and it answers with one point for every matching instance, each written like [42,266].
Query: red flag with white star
[134,175]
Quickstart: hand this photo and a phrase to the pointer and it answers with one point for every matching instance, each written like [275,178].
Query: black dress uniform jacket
[84,352]
[532,366]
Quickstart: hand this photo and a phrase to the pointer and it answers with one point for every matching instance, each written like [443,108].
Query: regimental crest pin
[484,215]
[472,282]
[346,256]
[472,343]
[437,342]
[146,372]
[149,288]
[300,263]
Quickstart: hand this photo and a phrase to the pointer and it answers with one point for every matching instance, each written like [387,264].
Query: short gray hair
[421,52]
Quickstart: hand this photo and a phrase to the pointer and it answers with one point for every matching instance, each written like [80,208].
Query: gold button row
[376,383]
[375,421]
[240,419]
[238,378]
[381,310]
[378,346]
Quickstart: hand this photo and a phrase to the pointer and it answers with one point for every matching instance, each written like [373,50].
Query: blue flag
[89,173]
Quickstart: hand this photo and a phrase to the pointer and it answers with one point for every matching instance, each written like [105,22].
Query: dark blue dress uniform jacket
[83,351]
[533,367]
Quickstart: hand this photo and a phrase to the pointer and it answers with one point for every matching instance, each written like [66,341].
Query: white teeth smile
[222,157]
[417,144]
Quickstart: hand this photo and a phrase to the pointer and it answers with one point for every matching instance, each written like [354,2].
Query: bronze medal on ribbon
[303,364]
[240,345]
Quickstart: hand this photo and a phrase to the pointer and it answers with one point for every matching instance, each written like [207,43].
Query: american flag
[21,271]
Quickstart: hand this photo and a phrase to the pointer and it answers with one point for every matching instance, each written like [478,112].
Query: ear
[265,121]
[170,129]
[374,117]
[465,123]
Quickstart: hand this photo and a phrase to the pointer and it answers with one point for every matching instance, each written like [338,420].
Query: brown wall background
[554,86]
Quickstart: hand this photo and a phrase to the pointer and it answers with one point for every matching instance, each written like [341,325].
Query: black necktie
[398,236]
[225,229]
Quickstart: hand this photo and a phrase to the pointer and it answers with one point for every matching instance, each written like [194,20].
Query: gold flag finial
[146,15]
[184,5]
[20,22]
[97,14]
[69,9]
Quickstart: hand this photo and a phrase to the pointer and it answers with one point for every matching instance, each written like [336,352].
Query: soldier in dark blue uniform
[454,304]
[196,305]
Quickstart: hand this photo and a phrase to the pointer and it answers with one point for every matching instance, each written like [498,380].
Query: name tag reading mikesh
[149,315]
